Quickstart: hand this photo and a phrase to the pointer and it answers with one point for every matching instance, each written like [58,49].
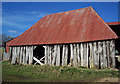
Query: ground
[37,73]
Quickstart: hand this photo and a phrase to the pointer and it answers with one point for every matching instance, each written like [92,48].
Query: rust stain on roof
[74,26]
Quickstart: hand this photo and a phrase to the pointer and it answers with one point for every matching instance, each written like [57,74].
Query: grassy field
[37,73]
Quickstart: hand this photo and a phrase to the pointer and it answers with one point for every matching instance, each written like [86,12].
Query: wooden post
[18,54]
[104,55]
[30,55]
[91,56]
[66,54]
[81,47]
[54,55]
[112,54]
[27,55]
[100,54]
[63,56]
[78,54]
[58,56]
[21,49]
[50,55]
[87,53]
[46,55]
[16,48]
[10,53]
[13,56]
[71,54]
[108,53]
[23,62]
[95,52]
[75,55]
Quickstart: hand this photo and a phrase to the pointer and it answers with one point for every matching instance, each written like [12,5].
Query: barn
[76,38]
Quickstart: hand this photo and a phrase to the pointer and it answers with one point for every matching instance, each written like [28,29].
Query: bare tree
[5,38]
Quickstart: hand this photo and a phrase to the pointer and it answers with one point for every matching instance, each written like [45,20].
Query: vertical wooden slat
[16,55]
[30,54]
[23,62]
[66,54]
[100,54]
[75,55]
[112,54]
[58,56]
[50,54]
[71,54]
[78,54]
[108,53]
[18,52]
[54,56]
[63,55]
[13,56]
[91,55]
[46,55]
[27,55]
[87,53]
[104,55]
[95,52]
[81,47]
[20,55]
[10,53]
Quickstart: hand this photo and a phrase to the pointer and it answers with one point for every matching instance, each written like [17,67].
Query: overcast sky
[19,16]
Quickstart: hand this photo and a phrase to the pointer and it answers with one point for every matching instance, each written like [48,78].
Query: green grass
[37,73]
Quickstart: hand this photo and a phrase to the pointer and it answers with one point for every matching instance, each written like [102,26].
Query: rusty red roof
[114,23]
[74,26]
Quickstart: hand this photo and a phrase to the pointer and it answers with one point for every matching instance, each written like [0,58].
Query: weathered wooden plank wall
[21,55]
[91,55]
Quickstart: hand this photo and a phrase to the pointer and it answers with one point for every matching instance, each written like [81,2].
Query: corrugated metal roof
[74,26]
[114,23]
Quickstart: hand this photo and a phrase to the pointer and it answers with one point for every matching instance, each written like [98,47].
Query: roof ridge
[69,11]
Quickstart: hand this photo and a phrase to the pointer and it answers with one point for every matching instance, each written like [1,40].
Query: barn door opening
[39,53]
[116,29]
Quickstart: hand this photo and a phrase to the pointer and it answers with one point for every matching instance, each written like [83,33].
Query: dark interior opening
[69,51]
[38,52]
[61,50]
[99,62]
[116,29]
